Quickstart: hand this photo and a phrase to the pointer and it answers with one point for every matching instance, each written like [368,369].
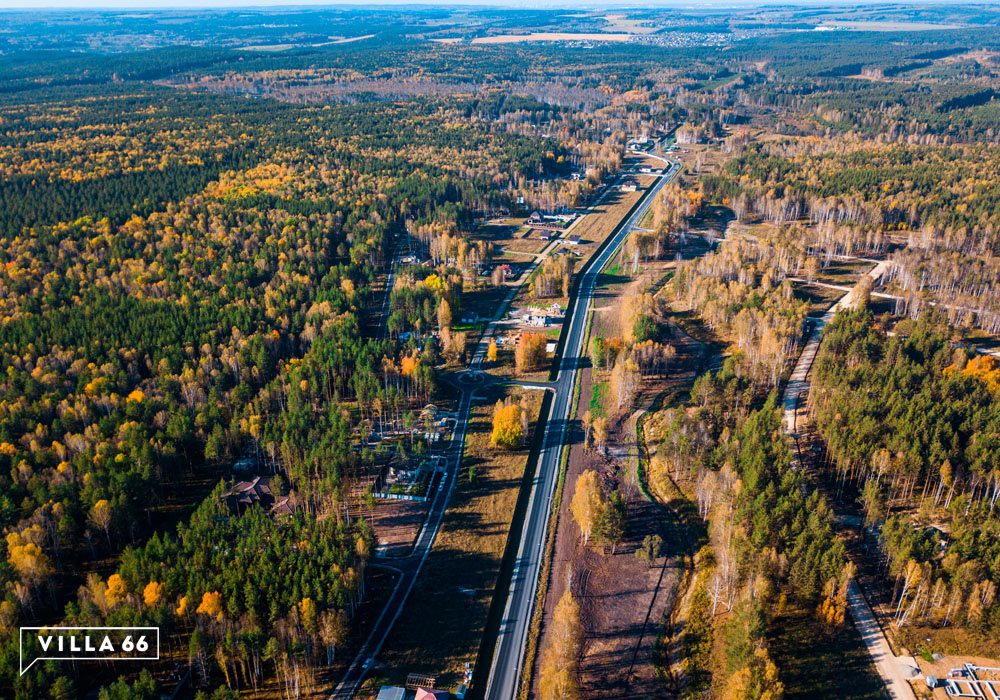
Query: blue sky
[591,4]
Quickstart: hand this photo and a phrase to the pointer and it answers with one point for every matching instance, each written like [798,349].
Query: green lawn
[597,391]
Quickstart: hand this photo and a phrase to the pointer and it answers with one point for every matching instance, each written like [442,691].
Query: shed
[391,692]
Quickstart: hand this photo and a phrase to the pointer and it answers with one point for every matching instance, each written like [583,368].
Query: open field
[621,23]
[600,221]
[441,626]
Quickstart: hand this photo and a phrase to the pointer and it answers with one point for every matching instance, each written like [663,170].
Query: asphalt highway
[508,657]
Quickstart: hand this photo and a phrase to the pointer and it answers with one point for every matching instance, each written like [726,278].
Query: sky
[588,4]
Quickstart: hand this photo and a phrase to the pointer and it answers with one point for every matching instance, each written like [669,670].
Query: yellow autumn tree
[831,612]
[558,666]
[100,515]
[491,351]
[211,604]
[588,503]
[529,353]
[758,680]
[508,431]
[116,591]
[28,559]
[152,594]
[599,428]
[347,287]
[307,615]
[182,606]
[985,368]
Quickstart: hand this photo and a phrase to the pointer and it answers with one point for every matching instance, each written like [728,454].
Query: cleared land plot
[600,221]
[815,661]
[443,621]
[396,525]
[820,298]
[511,236]
[843,272]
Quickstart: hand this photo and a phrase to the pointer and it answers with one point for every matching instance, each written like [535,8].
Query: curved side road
[861,613]
[508,656]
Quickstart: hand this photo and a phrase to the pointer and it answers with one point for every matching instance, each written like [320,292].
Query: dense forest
[769,534]
[184,291]
[911,422]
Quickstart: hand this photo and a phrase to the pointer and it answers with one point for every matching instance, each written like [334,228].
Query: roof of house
[425,694]
[245,493]
[391,692]
[284,507]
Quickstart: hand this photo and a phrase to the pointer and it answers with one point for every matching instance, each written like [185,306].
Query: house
[537,321]
[628,185]
[541,222]
[284,507]
[469,317]
[244,494]
[391,692]
[425,694]
[573,240]
[545,235]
